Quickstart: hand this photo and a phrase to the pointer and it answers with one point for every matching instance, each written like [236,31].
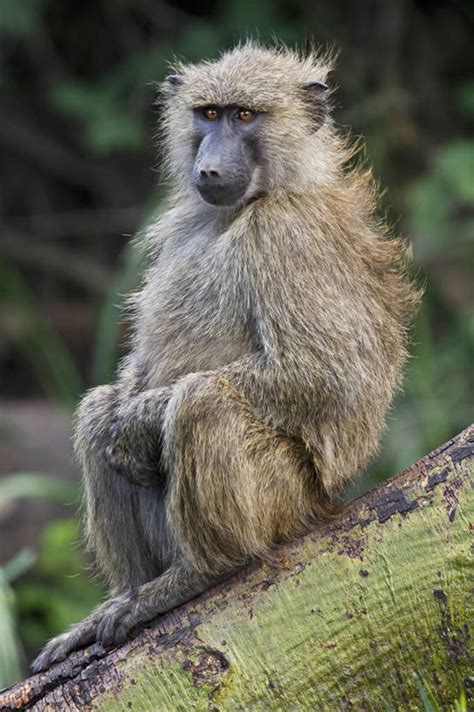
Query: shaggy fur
[268,342]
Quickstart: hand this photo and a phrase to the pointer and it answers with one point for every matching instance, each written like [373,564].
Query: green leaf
[10,649]
[427,697]
[461,703]
[29,484]
[19,565]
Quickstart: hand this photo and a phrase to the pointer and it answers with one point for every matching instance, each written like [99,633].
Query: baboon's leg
[125,527]
[178,584]
[235,487]
[125,523]
[127,531]
[111,622]
[236,484]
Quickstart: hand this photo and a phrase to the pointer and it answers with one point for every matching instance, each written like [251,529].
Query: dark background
[79,176]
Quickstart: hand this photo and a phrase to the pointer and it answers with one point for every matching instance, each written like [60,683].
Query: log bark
[352,616]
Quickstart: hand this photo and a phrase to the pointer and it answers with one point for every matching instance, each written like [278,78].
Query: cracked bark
[349,617]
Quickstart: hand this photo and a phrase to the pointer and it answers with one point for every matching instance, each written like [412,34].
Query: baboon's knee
[211,434]
[197,398]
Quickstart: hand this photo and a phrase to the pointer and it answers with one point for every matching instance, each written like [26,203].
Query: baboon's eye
[245,114]
[210,113]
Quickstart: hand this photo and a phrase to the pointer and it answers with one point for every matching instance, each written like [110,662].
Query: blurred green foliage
[439,200]
[31,484]
[20,18]
[10,645]
[109,108]
[57,590]
[30,328]
[41,592]
[88,75]
[429,702]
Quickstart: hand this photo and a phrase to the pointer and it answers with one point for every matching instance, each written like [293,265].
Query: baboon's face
[243,126]
[227,151]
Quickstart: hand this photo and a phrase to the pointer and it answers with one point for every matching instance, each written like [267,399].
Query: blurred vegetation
[428,700]
[76,127]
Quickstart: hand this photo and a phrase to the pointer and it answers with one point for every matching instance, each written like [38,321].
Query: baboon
[268,340]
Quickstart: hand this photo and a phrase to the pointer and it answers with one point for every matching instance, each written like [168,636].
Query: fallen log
[368,612]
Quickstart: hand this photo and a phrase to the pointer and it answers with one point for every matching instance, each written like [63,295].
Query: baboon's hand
[134,445]
[131,453]
[120,615]
[123,430]
[58,648]
[109,624]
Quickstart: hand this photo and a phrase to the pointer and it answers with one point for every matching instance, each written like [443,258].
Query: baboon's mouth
[221,194]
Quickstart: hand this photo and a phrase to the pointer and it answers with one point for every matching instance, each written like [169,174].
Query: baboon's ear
[316,93]
[317,86]
[168,88]
[174,79]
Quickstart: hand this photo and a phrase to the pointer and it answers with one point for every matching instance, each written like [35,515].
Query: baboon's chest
[197,319]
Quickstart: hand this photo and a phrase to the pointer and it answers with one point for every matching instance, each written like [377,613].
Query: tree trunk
[369,612]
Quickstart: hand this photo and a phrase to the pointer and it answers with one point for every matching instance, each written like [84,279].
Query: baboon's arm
[123,429]
[135,435]
[279,391]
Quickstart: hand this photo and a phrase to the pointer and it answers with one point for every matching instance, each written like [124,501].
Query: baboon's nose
[209,173]
[216,182]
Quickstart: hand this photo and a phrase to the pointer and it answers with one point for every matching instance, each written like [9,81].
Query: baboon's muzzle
[222,169]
